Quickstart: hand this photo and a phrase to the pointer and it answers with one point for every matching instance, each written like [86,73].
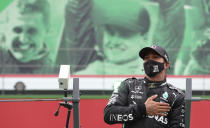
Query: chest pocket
[162,92]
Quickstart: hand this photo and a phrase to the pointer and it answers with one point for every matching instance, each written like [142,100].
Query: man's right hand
[156,108]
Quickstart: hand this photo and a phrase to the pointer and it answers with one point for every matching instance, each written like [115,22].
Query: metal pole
[188,96]
[3,90]
[68,118]
[76,96]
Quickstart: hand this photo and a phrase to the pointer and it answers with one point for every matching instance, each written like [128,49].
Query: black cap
[159,50]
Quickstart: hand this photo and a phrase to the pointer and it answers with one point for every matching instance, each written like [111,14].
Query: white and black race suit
[126,105]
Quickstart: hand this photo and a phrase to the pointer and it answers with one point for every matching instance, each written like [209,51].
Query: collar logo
[152,85]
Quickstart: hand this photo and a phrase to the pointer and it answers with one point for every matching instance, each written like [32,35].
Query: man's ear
[166,65]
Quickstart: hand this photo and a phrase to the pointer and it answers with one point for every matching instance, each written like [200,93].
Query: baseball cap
[159,50]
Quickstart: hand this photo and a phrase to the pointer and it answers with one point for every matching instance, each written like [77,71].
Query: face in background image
[202,36]
[121,44]
[25,36]
[125,25]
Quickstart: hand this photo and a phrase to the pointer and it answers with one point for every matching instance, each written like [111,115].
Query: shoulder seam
[175,88]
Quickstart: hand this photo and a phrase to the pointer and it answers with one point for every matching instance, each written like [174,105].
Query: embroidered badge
[165,95]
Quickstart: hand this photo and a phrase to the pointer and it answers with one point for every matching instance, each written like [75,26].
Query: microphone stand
[67,105]
[75,100]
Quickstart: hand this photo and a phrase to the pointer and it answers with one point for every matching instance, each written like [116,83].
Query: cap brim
[145,50]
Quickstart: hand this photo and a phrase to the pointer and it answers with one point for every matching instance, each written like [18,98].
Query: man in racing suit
[150,102]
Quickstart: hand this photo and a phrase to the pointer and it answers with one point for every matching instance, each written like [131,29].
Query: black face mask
[152,67]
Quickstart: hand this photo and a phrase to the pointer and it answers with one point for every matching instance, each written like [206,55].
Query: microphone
[57,112]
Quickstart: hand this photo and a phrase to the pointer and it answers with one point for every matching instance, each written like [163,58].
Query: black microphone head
[56,113]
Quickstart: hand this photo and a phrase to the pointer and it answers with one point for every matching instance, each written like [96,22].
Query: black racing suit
[126,105]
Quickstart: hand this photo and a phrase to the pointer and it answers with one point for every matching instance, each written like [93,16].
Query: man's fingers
[163,110]
[163,104]
[164,107]
[152,97]
[161,114]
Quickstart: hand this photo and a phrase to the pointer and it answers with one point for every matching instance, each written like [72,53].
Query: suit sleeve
[118,110]
[177,115]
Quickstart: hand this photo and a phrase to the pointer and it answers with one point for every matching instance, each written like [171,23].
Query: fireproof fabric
[126,104]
